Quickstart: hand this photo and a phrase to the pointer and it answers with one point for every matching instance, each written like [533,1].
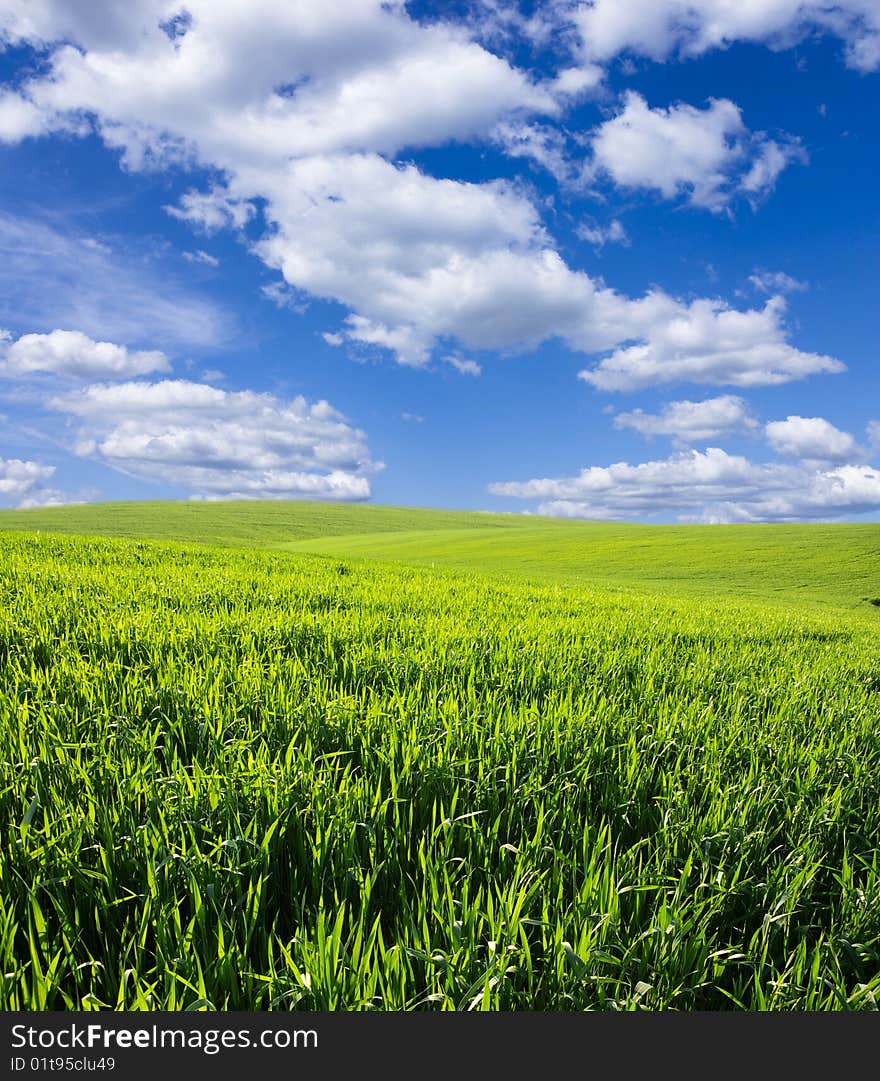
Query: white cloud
[20,118]
[23,481]
[283,295]
[710,486]
[693,422]
[710,343]
[405,342]
[600,235]
[464,366]
[707,155]
[661,28]
[541,143]
[420,260]
[218,443]
[810,439]
[864,52]
[98,23]
[262,81]
[200,256]
[212,210]
[874,433]
[71,353]
[768,281]
[769,162]
[50,278]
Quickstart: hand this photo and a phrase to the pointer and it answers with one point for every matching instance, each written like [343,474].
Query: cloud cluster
[707,486]
[211,442]
[352,76]
[298,112]
[264,94]
[706,155]
[220,444]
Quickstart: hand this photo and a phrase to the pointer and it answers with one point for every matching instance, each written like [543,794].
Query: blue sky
[589,258]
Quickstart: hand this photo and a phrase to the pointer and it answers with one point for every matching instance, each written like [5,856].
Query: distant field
[259,524]
[833,564]
[790,564]
[611,767]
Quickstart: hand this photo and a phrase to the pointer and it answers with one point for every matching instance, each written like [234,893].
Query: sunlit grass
[269,781]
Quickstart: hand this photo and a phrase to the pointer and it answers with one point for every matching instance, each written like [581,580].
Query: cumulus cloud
[706,155]
[709,486]
[662,28]
[710,343]
[220,444]
[354,75]
[810,439]
[72,353]
[421,260]
[25,483]
[692,422]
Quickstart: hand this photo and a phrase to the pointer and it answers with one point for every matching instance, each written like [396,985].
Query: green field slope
[258,524]
[272,780]
[790,564]
[837,564]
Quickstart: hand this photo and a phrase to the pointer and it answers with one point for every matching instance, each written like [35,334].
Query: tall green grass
[275,781]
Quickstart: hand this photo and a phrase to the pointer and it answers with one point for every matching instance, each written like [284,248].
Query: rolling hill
[835,564]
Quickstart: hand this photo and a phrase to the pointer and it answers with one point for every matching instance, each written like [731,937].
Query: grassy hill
[836,564]
[324,756]
[789,564]
[257,524]
[267,779]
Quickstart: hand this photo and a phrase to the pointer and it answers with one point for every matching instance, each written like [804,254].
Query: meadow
[376,758]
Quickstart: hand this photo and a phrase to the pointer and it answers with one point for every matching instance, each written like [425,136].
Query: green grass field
[330,757]
[836,565]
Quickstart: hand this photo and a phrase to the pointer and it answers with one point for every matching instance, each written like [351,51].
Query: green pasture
[833,564]
[460,762]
